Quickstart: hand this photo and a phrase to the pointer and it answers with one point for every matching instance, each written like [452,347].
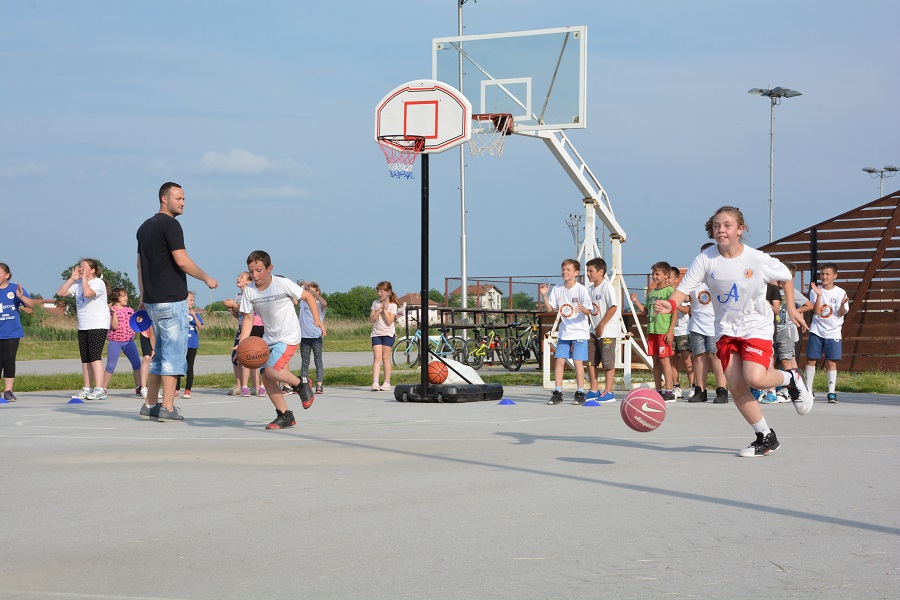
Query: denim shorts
[574,349]
[170,325]
[383,340]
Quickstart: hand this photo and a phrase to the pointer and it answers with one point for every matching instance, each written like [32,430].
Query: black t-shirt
[162,279]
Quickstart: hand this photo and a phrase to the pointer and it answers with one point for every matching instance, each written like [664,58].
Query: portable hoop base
[489,133]
[401,152]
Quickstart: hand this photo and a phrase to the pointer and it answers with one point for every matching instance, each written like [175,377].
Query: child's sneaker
[832,398]
[592,395]
[319,389]
[96,394]
[668,396]
[721,396]
[677,392]
[606,397]
[386,387]
[166,415]
[782,394]
[768,397]
[305,392]
[800,395]
[149,412]
[283,420]
[10,397]
[144,393]
[699,396]
[83,394]
[235,391]
[137,390]
[579,398]
[555,398]
[286,390]
[376,387]
[245,392]
[261,391]
[761,446]
[186,395]
[693,391]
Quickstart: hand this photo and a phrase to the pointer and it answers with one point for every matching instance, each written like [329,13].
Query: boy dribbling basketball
[272,298]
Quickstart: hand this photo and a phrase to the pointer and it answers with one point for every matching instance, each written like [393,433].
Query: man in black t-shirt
[163,266]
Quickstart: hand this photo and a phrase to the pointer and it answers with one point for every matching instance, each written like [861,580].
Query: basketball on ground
[643,409]
[253,352]
[437,372]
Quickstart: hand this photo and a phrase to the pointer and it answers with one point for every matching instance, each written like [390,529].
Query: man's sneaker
[319,389]
[166,415]
[721,396]
[606,397]
[668,396]
[245,392]
[591,395]
[579,398]
[761,446]
[96,394]
[800,395]
[782,394]
[150,412]
[555,398]
[286,390]
[677,392]
[261,391]
[768,397]
[235,391]
[10,397]
[282,421]
[699,396]
[144,393]
[305,392]
[186,395]
[832,398]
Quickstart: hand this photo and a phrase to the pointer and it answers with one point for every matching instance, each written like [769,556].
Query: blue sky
[263,111]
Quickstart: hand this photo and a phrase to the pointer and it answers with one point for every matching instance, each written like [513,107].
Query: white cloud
[284,191]
[23,171]
[241,162]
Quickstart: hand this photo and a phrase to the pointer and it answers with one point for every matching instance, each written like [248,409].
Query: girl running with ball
[736,276]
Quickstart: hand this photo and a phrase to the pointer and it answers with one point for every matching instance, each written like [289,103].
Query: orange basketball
[253,352]
[437,372]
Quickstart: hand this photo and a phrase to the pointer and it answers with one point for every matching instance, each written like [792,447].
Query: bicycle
[406,350]
[521,347]
[487,349]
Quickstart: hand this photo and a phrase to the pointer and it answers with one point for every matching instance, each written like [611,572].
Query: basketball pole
[423,314]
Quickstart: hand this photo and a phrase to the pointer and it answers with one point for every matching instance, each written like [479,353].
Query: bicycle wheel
[475,354]
[405,353]
[515,353]
[459,349]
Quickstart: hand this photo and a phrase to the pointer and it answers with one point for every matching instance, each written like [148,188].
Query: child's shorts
[754,350]
[657,346]
[701,344]
[280,355]
[786,339]
[814,346]
[383,340]
[682,343]
[574,349]
[602,352]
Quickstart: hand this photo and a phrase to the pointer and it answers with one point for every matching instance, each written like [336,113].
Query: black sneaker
[832,398]
[305,392]
[556,398]
[699,396]
[762,446]
[579,398]
[721,396]
[165,415]
[283,420]
[668,396]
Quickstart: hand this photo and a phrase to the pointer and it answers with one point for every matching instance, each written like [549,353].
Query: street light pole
[880,173]
[774,95]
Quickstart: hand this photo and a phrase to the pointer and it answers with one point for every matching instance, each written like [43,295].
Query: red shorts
[753,349]
[657,346]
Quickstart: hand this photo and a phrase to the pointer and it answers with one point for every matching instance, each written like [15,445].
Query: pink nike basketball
[643,409]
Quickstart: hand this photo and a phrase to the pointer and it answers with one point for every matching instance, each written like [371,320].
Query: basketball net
[401,152]
[489,132]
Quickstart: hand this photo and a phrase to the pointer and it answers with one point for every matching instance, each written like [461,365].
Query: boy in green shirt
[660,330]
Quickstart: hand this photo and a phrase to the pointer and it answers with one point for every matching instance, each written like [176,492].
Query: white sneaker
[782,395]
[692,392]
[677,391]
[144,393]
[800,395]
[96,394]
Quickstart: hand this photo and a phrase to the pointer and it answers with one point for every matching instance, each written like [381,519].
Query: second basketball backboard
[537,76]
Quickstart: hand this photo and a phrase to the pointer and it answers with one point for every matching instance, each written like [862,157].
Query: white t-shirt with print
[577,326]
[604,297]
[93,313]
[275,306]
[827,324]
[703,317]
[737,288]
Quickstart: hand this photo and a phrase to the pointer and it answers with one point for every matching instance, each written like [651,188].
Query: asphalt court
[372,498]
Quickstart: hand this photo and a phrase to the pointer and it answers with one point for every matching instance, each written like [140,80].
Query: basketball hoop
[489,131]
[401,152]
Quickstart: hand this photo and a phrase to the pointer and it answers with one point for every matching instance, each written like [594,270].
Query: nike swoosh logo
[646,408]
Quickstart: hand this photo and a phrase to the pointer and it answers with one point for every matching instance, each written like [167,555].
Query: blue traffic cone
[591,403]
[76,400]
[506,402]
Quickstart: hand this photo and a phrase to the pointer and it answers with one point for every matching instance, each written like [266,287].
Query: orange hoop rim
[503,122]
